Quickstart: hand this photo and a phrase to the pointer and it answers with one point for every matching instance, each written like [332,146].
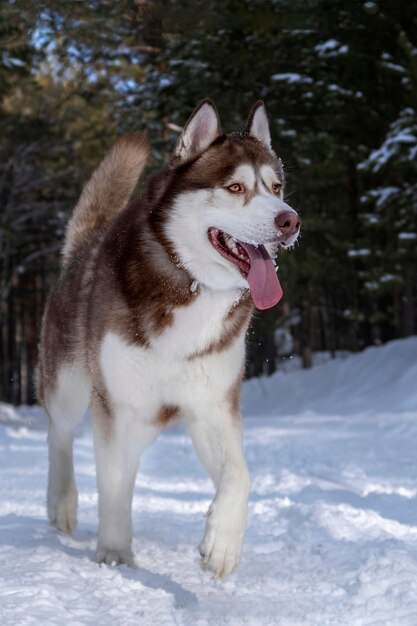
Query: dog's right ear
[200,131]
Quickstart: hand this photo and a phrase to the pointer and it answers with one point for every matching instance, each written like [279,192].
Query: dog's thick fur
[147,323]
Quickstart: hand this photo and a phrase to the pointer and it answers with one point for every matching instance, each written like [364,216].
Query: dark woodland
[339,80]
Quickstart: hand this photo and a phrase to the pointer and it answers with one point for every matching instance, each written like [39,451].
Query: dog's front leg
[119,440]
[217,437]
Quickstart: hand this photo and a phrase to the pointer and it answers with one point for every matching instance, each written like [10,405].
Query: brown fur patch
[233,396]
[167,413]
[64,332]
[139,269]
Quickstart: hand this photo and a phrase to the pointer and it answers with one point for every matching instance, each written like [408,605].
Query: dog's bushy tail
[108,190]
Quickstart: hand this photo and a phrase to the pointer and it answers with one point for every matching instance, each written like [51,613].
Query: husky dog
[147,322]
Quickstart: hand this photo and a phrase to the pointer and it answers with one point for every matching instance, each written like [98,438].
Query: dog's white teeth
[230,243]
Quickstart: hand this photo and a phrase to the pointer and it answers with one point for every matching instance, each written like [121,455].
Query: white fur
[218,442]
[138,380]
[66,409]
[117,459]
[269,177]
[190,219]
[244,174]
[196,326]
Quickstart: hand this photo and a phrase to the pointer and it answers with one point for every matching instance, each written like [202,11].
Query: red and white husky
[147,322]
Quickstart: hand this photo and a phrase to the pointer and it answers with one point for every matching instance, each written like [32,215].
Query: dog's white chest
[146,378]
[198,325]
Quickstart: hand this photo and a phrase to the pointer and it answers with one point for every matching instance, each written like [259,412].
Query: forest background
[339,79]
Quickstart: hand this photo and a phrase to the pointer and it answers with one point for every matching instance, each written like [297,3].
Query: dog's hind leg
[66,405]
[119,440]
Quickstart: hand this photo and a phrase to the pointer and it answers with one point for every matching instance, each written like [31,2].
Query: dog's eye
[276,188]
[236,188]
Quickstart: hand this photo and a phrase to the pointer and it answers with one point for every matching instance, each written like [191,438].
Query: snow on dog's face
[227,215]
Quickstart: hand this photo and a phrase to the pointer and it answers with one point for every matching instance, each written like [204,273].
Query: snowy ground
[332,532]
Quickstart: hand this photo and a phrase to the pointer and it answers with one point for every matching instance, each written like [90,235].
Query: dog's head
[220,206]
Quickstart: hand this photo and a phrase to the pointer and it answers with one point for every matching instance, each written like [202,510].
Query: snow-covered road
[332,529]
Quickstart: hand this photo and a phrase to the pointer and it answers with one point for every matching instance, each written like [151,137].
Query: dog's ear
[200,131]
[257,125]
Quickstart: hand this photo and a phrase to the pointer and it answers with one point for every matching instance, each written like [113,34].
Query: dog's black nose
[288,222]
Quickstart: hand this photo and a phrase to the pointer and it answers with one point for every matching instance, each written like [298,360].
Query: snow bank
[378,380]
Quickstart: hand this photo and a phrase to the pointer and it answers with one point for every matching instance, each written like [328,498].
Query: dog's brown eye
[276,188]
[236,188]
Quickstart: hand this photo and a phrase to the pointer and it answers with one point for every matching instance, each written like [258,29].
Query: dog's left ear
[200,131]
[257,125]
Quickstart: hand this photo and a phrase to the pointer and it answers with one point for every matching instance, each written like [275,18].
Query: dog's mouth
[231,249]
[255,265]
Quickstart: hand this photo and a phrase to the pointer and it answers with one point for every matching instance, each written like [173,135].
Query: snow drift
[377,380]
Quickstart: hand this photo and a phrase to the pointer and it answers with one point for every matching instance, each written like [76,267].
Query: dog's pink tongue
[263,281]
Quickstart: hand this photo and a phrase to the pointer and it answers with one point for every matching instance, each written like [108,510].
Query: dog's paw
[62,512]
[114,556]
[221,546]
